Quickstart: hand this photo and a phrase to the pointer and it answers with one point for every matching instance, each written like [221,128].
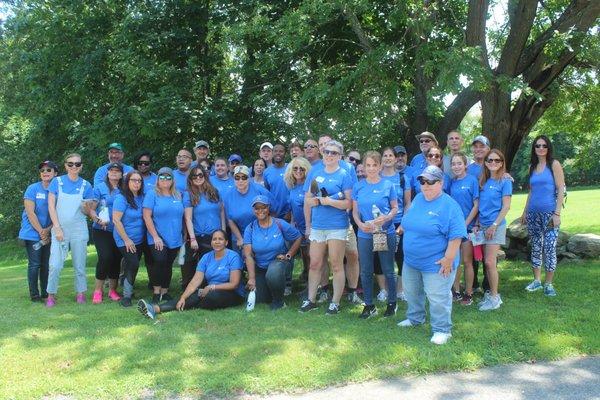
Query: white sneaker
[406,323]
[382,296]
[287,291]
[493,303]
[400,296]
[440,337]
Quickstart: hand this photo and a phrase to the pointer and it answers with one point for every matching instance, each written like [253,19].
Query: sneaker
[114,296]
[493,303]
[165,297]
[406,323]
[287,291]
[50,301]
[278,305]
[467,300]
[354,298]
[307,306]
[440,337]
[533,286]
[80,298]
[390,311]
[126,302]
[486,298]
[549,290]
[97,297]
[36,298]
[322,296]
[382,296]
[456,296]
[333,309]
[368,312]
[400,296]
[146,309]
[156,298]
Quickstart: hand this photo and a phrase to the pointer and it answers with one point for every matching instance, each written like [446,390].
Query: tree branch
[352,19]
[475,33]
[457,110]
[521,17]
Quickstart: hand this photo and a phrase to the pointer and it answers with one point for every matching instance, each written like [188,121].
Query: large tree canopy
[77,74]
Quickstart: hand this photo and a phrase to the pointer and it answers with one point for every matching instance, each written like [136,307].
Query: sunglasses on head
[424,140]
[434,155]
[74,164]
[310,146]
[296,169]
[425,181]
[198,175]
[165,177]
[331,152]
[353,159]
[42,170]
[146,163]
[494,160]
[541,146]
[242,177]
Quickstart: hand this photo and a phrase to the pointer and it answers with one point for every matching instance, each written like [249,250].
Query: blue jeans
[386,259]
[37,268]
[270,282]
[437,288]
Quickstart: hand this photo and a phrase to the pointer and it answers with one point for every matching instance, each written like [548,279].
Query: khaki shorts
[351,244]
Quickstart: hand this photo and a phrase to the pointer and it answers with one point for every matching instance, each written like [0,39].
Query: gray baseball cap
[432,173]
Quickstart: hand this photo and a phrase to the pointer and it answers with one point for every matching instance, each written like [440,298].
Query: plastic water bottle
[376,214]
[39,244]
[251,300]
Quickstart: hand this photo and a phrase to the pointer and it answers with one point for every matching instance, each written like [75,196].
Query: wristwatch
[495,225]
[288,256]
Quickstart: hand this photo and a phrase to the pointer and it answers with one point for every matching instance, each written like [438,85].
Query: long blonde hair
[288,176]
[173,192]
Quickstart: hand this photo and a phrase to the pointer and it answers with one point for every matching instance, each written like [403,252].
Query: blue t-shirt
[464,191]
[274,182]
[180,180]
[71,187]
[399,184]
[349,167]
[368,194]
[217,272]
[475,170]
[206,215]
[132,220]
[418,163]
[542,197]
[296,201]
[268,243]
[101,172]
[428,227]
[238,207]
[104,195]
[222,185]
[328,217]
[150,181]
[490,200]
[167,215]
[36,193]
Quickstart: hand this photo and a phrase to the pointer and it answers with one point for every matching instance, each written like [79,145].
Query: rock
[501,255]
[506,245]
[517,230]
[585,245]
[562,250]
[568,255]
[563,239]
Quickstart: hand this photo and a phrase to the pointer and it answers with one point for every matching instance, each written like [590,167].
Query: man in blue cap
[115,155]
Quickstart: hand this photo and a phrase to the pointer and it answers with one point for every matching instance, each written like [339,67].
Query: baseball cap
[50,164]
[241,169]
[235,157]
[117,165]
[165,171]
[400,149]
[261,199]
[268,144]
[201,143]
[432,173]
[116,145]
[481,139]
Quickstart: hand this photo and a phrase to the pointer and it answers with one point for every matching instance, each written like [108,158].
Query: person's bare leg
[490,265]
[317,249]
[467,256]
[336,257]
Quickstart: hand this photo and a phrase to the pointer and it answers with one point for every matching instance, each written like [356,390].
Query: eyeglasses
[494,160]
[146,163]
[434,155]
[242,177]
[42,170]
[297,169]
[424,140]
[353,159]
[184,156]
[74,164]
[165,177]
[135,180]
[429,182]
[331,152]
[541,146]
[310,146]
[194,176]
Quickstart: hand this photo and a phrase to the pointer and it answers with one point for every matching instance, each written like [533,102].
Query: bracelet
[212,287]
[192,239]
[557,214]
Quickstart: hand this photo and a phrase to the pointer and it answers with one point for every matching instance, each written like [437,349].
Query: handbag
[380,242]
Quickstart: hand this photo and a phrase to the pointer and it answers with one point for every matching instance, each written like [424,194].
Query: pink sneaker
[96,297]
[50,301]
[80,298]
[114,296]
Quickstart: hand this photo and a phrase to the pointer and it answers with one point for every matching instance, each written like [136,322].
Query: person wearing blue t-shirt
[129,230]
[109,256]
[542,212]
[115,155]
[494,202]
[274,182]
[221,180]
[163,216]
[35,231]
[433,228]
[216,284]
[464,189]
[204,214]
[67,210]
[238,204]
[142,162]
[374,206]
[267,256]
[433,156]
[180,174]
[328,196]
[419,161]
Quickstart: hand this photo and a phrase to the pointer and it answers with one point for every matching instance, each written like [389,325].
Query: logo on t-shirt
[40,195]
[433,213]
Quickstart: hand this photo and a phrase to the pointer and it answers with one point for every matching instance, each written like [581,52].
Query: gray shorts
[499,236]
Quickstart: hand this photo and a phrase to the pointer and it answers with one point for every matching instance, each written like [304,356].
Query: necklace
[263,231]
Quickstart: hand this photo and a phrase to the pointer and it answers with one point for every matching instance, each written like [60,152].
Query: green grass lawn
[105,351]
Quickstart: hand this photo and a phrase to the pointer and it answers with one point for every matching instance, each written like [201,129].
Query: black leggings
[109,256]
[131,264]
[188,269]
[214,300]
[161,269]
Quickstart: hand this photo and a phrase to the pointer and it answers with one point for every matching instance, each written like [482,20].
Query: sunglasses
[331,152]
[146,163]
[541,146]
[494,161]
[194,176]
[429,182]
[353,159]
[310,146]
[135,180]
[165,177]
[242,177]
[260,207]
[296,169]
[424,140]
[74,164]
[42,170]
[433,155]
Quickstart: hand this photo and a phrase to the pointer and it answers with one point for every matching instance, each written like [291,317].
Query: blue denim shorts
[323,235]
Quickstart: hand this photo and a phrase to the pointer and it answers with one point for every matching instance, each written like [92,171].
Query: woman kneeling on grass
[218,276]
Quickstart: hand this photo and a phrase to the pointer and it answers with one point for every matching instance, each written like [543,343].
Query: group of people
[236,229]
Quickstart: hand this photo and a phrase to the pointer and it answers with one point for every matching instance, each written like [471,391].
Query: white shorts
[323,235]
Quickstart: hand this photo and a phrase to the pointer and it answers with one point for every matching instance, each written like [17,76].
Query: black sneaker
[156,298]
[277,305]
[165,297]
[368,312]
[307,306]
[456,296]
[390,311]
[126,302]
[36,298]
[333,309]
